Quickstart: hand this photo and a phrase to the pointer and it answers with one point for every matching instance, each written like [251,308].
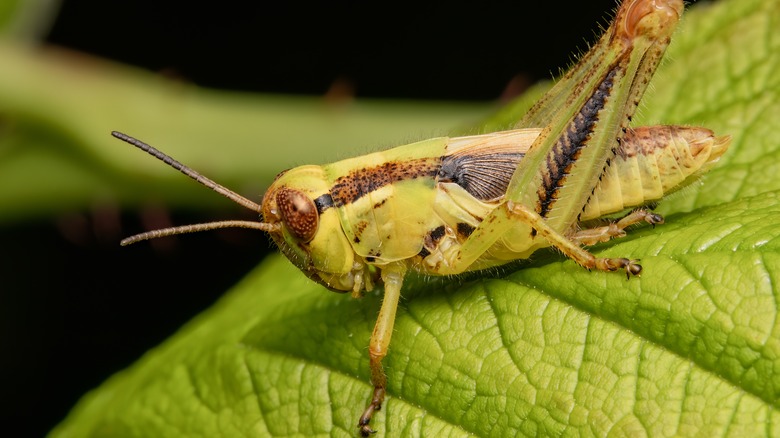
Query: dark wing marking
[484,173]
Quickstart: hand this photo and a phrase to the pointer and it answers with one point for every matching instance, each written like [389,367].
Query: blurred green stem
[58,108]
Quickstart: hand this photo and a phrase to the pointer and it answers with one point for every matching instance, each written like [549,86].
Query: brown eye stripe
[360,182]
[323,202]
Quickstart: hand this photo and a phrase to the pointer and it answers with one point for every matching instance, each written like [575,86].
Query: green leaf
[690,348]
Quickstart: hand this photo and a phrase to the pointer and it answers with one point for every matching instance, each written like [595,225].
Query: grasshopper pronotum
[449,205]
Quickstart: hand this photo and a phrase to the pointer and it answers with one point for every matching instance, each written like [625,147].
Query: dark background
[95,308]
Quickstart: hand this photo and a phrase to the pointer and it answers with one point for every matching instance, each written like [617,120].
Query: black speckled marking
[432,240]
[360,182]
[569,146]
[436,234]
[464,230]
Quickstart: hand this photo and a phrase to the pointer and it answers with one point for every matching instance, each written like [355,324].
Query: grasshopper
[445,206]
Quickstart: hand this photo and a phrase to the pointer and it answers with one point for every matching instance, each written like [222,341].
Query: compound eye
[298,212]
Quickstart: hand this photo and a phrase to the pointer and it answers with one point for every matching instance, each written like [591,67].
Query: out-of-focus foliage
[22,20]
[690,348]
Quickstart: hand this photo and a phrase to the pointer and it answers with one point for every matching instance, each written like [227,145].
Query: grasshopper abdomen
[652,162]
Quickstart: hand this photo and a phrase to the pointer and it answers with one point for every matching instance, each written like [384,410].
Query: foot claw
[374,406]
[633,268]
[630,266]
[366,431]
[654,219]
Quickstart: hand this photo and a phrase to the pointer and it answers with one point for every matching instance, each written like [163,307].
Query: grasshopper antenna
[222,190]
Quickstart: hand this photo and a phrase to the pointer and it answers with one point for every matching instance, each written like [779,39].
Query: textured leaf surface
[690,348]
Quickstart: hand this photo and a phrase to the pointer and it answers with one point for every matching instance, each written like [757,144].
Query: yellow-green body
[398,206]
[449,205]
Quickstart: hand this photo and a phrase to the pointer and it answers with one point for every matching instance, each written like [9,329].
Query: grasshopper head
[299,216]
[309,231]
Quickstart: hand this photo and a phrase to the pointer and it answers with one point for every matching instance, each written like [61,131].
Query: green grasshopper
[445,206]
